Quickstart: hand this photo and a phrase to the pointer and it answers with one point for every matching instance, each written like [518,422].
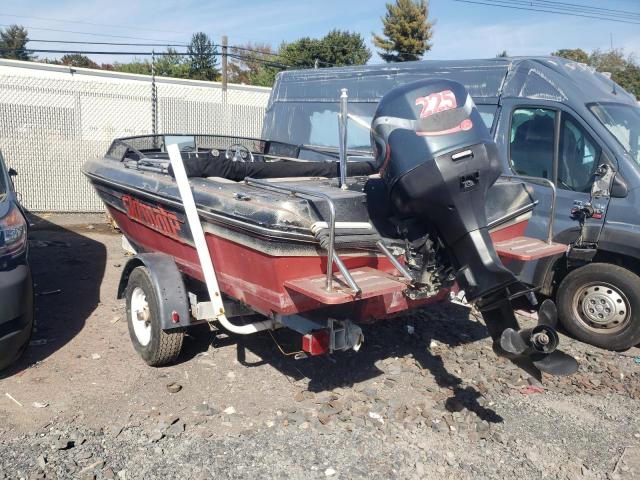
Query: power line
[298,63]
[114,36]
[549,10]
[266,62]
[215,45]
[566,5]
[85,33]
[94,52]
[140,53]
[83,42]
[159,43]
[574,7]
[80,22]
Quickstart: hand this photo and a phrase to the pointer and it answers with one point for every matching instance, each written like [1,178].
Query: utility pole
[224,63]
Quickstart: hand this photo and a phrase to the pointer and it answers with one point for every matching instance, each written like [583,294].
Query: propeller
[537,345]
[548,314]
[556,363]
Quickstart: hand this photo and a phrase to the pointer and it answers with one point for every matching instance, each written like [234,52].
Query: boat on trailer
[246,233]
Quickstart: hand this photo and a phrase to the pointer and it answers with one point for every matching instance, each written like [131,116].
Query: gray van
[552,119]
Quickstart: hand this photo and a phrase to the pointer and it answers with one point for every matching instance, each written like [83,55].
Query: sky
[461,30]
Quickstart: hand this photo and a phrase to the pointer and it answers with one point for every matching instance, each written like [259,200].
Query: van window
[623,121]
[316,123]
[531,149]
[324,130]
[578,158]
[488,114]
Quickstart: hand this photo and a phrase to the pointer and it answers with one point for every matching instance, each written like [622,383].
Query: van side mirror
[12,172]
[601,186]
[619,188]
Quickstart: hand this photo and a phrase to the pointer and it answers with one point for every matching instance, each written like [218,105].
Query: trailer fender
[168,284]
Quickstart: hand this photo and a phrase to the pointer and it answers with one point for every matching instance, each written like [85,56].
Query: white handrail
[204,256]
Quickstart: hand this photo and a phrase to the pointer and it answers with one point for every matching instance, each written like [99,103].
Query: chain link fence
[53,118]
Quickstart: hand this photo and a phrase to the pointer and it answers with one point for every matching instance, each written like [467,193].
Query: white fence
[53,118]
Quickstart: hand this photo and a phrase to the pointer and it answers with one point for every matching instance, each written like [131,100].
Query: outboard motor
[438,160]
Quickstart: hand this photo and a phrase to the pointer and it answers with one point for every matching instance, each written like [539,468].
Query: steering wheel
[240,153]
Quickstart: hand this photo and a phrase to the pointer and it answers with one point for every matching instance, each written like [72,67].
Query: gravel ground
[424,398]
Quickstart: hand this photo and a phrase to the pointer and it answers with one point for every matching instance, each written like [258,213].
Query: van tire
[156,346]
[599,304]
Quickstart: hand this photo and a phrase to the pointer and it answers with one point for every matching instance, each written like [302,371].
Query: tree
[171,64]
[264,77]
[13,41]
[629,79]
[612,61]
[336,48]
[625,71]
[502,54]
[302,53]
[141,67]
[202,57]
[342,48]
[77,60]
[253,64]
[407,31]
[575,54]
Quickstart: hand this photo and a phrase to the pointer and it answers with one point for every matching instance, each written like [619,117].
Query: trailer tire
[614,293]
[156,346]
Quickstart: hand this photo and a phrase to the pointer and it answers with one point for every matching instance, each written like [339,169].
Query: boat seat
[217,165]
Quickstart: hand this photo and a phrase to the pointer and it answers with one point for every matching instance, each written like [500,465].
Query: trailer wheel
[599,304]
[156,346]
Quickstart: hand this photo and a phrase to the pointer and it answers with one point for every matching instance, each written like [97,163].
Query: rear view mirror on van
[608,183]
[12,172]
[601,186]
[619,188]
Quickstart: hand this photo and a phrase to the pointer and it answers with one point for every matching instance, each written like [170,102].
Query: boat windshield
[185,142]
[623,121]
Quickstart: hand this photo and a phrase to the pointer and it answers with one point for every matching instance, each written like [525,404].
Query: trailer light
[13,232]
[175,317]
[316,342]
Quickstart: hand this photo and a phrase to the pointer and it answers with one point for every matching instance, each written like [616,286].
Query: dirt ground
[424,398]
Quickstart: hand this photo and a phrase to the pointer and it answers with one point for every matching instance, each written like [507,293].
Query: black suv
[16,287]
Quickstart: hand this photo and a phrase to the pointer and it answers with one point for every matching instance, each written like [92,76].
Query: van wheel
[154,345]
[599,304]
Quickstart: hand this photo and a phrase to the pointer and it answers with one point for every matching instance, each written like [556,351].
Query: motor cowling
[438,160]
